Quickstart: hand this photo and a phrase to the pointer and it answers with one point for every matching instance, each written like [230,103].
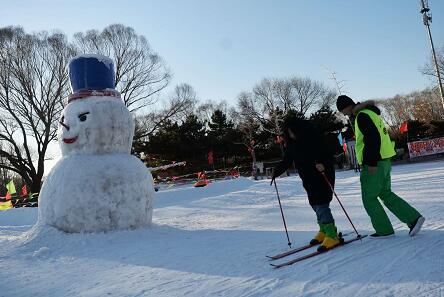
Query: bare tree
[419,105]
[272,99]
[270,103]
[427,105]
[249,128]
[33,83]
[397,110]
[205,110]
[178,106]
[430,70]
[283,91]
[328,99]
[140,72]
[339,83]
[262,105]
[309,93]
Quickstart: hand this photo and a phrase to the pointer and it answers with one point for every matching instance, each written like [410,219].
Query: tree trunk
[35,185]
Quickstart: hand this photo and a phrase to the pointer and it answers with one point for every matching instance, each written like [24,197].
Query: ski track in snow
[212,241]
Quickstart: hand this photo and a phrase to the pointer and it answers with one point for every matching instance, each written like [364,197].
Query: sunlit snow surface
[212,241]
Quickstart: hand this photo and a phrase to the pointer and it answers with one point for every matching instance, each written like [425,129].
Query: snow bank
[18,217]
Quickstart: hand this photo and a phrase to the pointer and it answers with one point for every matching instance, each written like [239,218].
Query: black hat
[343,102]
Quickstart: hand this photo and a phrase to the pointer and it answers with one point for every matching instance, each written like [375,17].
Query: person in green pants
[373,151]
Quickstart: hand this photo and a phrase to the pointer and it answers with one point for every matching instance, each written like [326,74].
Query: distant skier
[374,150]
[306,147]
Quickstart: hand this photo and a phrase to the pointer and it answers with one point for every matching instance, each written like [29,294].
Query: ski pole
[331,187]
[282,212]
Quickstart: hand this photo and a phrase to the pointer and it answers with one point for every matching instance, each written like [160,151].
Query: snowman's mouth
[70,140]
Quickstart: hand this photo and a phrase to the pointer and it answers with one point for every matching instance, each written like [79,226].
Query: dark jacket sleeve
[284,164]
[372,140]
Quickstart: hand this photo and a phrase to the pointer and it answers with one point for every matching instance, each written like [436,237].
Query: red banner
[404,127]
[426,147]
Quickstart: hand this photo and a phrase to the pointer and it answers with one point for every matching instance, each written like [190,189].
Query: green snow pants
[377,185]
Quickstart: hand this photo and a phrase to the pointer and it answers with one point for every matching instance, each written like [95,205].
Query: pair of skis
[305,247]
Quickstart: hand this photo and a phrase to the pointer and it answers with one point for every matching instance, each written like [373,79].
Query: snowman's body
[97,185]
[92,193]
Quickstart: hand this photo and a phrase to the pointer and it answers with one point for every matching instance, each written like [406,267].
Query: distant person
[373,151]
[306,147]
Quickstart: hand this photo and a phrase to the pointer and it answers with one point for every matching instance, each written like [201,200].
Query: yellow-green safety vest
[386,150]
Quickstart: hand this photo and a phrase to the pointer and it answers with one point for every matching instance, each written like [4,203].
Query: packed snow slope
[212,241]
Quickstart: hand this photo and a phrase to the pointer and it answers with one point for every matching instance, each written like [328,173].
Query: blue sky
[224,47]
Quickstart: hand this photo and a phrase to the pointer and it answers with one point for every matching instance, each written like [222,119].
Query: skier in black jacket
[307,148]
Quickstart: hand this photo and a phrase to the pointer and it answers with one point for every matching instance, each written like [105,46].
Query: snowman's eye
[82,116]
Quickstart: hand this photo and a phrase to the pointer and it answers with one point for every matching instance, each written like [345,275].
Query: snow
[212,241]
[93,193]
[103,59]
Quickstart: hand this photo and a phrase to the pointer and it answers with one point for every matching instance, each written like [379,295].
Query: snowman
[97,185]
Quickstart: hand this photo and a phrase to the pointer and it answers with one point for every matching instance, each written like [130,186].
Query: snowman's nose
[64,125]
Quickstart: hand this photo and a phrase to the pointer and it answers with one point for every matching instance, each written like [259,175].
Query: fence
[22,201]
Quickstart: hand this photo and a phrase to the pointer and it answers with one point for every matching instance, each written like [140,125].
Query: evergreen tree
[164,144]
[417,129]
[326,121]
[192,142]
[437,128]
[222,135]
[330,125]
[219,125]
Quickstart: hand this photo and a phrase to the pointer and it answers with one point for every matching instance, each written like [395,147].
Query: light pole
[427,19]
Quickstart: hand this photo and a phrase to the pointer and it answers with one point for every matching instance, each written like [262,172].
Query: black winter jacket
[309,149]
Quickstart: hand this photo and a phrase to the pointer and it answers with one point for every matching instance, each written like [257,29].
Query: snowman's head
[95,121]
[95,125]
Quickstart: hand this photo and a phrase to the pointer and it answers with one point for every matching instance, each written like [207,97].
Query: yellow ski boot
[319,238]
[331,238]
